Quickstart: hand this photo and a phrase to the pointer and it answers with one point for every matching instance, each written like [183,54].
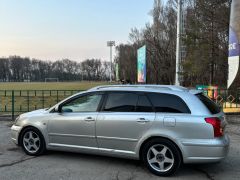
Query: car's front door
[124,118]
[74,125]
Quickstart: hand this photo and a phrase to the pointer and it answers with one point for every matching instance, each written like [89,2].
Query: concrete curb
[6,118]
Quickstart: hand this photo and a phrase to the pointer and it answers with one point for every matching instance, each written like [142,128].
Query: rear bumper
[15,131]
[205,151]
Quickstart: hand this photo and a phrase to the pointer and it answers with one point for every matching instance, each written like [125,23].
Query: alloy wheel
[160,158]
[31,141]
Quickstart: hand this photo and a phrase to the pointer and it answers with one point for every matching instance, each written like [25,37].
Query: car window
[121,102]
[212,106]
[143,104]
[168,103]
[87,103]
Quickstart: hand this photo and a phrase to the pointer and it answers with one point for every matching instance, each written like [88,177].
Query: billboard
[234,36]
[141,64]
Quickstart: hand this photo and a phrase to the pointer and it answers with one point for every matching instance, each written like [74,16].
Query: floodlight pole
[110,44]
[178,53]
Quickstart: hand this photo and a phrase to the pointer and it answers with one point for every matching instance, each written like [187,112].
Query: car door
[74,125]
[121,122]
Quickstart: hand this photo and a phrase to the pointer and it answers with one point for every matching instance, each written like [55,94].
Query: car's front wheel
[32,142]
[161,157]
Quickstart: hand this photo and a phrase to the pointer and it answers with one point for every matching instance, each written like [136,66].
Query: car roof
[139,87]
[148,88]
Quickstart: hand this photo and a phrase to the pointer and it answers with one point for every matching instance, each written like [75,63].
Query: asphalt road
[14,164]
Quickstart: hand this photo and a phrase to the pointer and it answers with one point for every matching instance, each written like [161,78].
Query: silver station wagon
[164,126]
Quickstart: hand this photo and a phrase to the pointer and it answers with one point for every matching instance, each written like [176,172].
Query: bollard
[13,105]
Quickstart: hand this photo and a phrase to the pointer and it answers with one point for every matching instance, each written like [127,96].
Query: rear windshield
[212,106]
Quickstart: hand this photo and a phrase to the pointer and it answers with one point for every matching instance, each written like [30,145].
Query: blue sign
[141,64]
[233,43]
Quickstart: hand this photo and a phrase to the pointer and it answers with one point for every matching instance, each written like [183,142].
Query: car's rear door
[124,118]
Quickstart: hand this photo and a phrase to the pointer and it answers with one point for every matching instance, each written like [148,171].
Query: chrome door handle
[142,120]
[88,119]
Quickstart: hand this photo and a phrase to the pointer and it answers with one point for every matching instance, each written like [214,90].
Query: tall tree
[159,37]
[207,43]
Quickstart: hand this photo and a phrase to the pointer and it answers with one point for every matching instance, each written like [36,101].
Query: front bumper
[15,131]
[205,151]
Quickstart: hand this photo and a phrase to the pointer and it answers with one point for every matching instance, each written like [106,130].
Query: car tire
[32,142]
[161,157]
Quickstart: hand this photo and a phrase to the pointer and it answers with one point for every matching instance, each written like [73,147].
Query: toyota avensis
[164,126]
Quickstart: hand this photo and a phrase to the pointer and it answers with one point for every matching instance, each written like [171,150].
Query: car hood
[34,113]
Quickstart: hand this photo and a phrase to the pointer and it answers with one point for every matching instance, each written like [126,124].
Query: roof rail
[154,86]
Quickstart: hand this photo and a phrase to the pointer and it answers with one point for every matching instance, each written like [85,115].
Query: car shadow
[92,157]
[186,170]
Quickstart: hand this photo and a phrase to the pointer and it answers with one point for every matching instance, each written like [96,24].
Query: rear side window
[168,103]
[212,106]
[121,102]
[143,104]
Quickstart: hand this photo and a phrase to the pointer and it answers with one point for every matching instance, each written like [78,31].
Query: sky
[73,29]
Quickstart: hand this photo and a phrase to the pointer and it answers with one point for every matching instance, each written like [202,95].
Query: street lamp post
[179,31]
[110,44]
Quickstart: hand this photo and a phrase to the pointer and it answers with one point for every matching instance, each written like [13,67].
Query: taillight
[216,123]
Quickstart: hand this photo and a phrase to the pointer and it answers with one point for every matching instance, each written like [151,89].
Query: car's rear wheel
[32,142]
[161,157]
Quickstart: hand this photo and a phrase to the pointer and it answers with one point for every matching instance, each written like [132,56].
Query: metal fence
[227,99]
[13,102]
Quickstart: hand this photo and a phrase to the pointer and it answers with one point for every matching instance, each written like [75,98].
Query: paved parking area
[14,164]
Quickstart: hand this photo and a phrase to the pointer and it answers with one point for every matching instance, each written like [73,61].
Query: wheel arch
[23,129]
[157,137]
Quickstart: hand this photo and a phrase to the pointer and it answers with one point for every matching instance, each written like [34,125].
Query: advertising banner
[141,64]
[234,35]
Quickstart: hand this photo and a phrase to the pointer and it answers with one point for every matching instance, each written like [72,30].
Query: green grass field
[28,96]
[50,85]
[35,98]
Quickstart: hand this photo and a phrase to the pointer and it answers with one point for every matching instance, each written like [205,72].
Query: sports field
[50,85]
[35,98]
[29,96]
